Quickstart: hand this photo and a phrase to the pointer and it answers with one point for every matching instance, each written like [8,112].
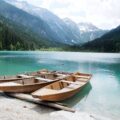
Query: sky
[104,14]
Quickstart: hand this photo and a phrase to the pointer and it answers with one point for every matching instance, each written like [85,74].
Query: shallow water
[101,96]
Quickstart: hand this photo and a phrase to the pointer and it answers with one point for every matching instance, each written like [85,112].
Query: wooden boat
[51,74]
[24,85]
[46,73]
[42,73]
[64,88]
[28,85]
[14,78]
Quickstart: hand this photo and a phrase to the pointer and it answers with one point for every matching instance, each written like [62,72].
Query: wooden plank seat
[82,80]
[81,76]
[73,86]
[25,76]
[10,84]
[70,82]
[46,91]
[43,79]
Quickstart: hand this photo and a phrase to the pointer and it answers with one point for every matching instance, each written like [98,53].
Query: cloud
[103,13]
[34,2]
[58,4]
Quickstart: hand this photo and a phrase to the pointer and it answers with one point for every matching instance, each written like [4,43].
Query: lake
[101,96]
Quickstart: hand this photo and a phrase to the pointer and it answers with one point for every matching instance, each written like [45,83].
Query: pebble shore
[14,109]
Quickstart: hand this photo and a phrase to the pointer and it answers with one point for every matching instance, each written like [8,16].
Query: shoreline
[12,109]
[56,50]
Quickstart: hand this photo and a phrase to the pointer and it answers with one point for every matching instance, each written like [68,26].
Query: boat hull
[60,96]
[23,88]
[63,89]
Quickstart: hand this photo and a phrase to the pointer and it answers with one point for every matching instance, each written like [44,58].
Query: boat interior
[30,80]
[8,77]
[46,76]
[68,82]
[58,85]
[21,82]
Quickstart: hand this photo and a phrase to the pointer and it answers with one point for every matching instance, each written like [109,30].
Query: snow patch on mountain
[61,30]
[87,27]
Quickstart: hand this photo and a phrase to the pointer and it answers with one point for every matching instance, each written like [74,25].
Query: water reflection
[102,94]
[83,93]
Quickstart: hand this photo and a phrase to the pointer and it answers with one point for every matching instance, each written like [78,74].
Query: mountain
[89,32]
[14,37]
[53,27]
[74,28]
[22,18]
[87,27]
[84,31]
[110,42]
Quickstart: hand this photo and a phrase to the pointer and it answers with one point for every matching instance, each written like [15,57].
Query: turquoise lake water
[101,96]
